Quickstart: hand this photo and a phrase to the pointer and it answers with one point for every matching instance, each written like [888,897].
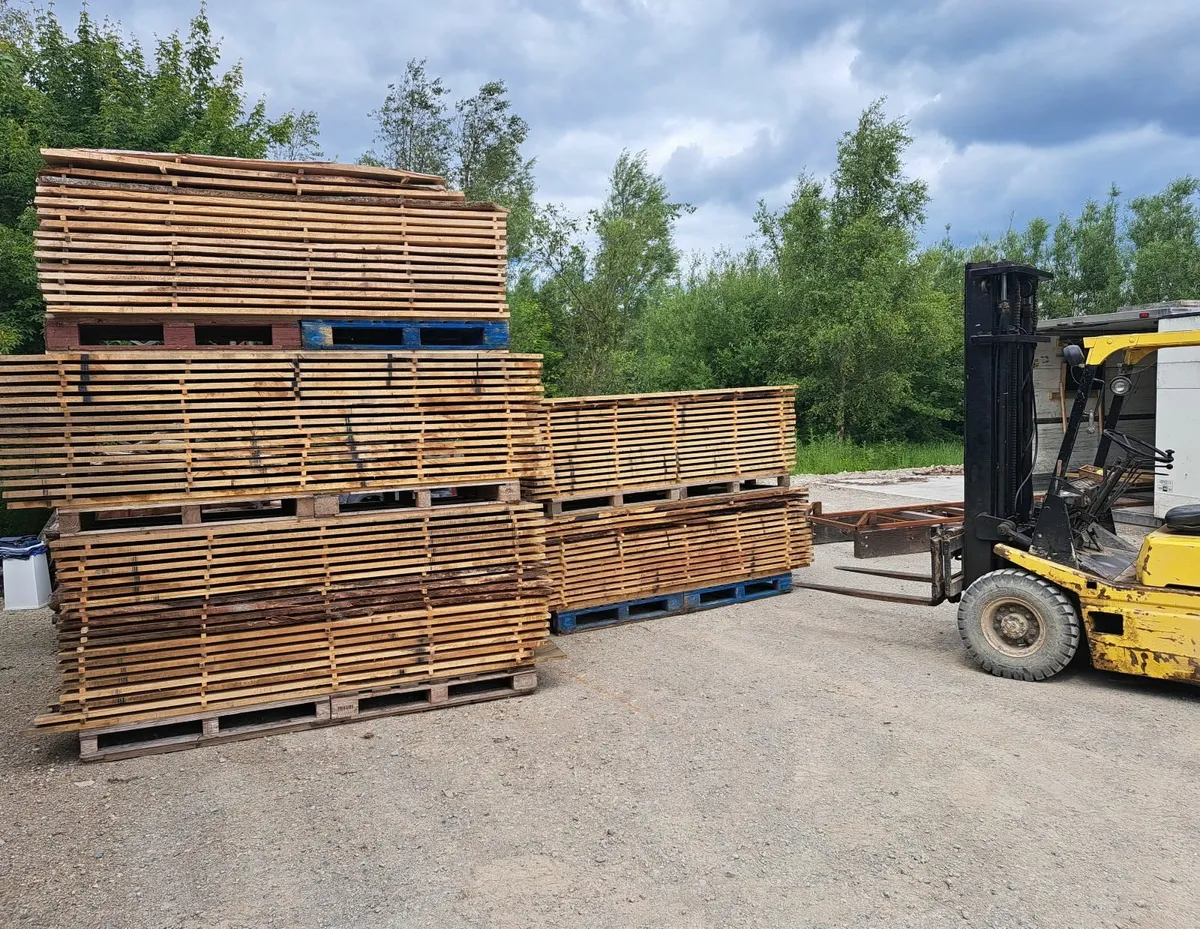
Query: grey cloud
[1021,70]
[734,98]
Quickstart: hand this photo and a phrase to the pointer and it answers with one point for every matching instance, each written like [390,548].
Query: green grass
[829,455]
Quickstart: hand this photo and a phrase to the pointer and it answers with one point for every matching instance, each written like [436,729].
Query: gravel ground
[806,760]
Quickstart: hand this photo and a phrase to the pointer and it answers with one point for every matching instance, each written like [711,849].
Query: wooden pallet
[190,618]
[631,553]
[716,487]
[566,622]
[602,445]
[137,333]
[309,506]
[412,335]
[244,333]
[112,743]
[108,429]
[126,233]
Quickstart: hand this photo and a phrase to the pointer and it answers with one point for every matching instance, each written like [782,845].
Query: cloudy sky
[1018,107]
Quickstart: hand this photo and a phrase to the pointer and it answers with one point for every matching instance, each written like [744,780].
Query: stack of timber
[602,448]
[190,251]
[182,620]
[285,441]
[637,562]
[254,543]
[89,431]
[666,503]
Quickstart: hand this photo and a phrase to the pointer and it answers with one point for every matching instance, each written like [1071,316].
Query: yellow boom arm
[1136,346]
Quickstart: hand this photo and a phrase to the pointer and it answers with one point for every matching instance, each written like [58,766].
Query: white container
[1178,398]
[26,574]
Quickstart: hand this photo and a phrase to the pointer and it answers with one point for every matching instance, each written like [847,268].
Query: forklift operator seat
[1184,518]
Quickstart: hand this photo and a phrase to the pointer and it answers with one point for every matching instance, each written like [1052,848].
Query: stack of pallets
[285,443]
[666,503]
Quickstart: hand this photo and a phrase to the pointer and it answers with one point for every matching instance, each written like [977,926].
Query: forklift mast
[1000,312]
[1071,524]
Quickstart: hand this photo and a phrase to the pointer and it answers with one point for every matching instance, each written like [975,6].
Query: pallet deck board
[270,507]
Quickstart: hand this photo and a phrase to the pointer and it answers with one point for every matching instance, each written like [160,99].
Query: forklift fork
[945,547]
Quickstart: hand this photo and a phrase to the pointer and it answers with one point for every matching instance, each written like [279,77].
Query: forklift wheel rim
[1013,627]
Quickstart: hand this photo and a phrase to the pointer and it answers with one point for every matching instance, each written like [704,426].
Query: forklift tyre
[1018,625]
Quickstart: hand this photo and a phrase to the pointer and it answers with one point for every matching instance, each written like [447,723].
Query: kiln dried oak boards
[631,552]
[156,623]
[597,445]
[284,485]
[657,504]
[130,234]
[88,431]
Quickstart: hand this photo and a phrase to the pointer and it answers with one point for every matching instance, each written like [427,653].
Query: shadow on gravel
[59,748]
[1148,686]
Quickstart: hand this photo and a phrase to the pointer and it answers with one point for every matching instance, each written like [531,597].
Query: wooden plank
[602,445]
[648,550]
[166,235]
[172,163]
[185,427]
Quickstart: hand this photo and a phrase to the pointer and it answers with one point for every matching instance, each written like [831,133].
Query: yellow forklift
[1037,574]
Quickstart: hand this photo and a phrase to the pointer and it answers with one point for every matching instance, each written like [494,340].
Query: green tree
[476,145]
[297,137]
[413,128]
[488,163]
[602,272]
[868,340]
[97,90]
[717,327]
[1030,246]
[1164,244]
[1087,260]
[533,327]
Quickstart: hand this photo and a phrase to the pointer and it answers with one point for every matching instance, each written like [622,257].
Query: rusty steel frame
[895,530]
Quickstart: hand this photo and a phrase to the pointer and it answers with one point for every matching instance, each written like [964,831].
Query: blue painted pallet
[404,334]
[704,598]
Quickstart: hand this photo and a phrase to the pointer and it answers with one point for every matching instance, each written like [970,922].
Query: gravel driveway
[805,760]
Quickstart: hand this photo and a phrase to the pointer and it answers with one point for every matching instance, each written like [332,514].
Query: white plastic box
[26,574]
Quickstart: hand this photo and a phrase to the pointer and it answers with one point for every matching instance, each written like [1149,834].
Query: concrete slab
[939,488]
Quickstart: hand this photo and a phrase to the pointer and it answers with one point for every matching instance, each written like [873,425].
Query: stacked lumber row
[162,621]
[601,444]
[126,234]
[627,549]
[647,550]
[251,523]
[196,618]
[116,429]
